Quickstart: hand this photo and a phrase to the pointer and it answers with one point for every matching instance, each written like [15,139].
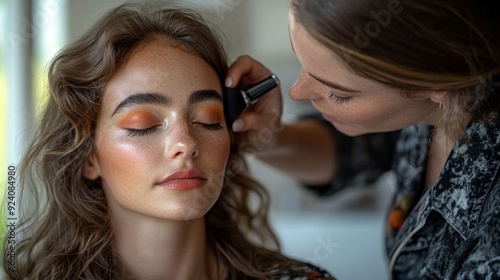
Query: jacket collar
[468,176]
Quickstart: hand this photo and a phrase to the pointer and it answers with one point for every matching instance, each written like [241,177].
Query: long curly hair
[66,231]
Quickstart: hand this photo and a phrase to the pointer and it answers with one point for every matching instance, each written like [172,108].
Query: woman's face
[353,104]
[161,143]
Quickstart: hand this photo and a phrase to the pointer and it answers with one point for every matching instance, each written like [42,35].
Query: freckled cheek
[217,151]
[360,114]
[123,162]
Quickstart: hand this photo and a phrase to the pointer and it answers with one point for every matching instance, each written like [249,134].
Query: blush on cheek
[221,159]
[118,160]
[219,150]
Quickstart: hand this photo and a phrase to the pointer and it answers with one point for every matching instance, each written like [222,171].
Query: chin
[181,214]
[191,211]
[349,130]
[188,205]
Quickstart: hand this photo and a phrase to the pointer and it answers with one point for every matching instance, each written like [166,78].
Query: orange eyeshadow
[138,119]
[212,112]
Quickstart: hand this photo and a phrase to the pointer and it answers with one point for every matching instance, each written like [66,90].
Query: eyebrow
[333,85]
[204,95]
[154,98]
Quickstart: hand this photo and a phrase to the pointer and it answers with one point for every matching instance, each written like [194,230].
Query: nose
[182,144]
[303,89]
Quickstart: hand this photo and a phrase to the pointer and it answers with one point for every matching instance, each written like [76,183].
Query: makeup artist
[410,86]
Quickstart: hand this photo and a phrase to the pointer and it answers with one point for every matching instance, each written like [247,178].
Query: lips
[183,179]
[328,117]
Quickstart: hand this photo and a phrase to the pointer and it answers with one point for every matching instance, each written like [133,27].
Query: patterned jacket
[451,230]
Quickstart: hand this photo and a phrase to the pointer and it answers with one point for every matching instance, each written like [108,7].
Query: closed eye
[142,132]
[338,99]
[212,126]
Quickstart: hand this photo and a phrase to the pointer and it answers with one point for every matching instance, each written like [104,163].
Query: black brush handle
[256,91]
[236,100]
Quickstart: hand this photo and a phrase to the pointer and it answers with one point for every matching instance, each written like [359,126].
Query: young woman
[132,168]
[428,68]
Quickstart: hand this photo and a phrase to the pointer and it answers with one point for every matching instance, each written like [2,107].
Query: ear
[91,169]
[438,97]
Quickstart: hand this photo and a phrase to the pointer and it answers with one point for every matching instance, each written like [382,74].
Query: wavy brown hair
[66,230]
[446,45]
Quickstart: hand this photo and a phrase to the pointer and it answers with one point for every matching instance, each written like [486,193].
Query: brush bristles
[234,104]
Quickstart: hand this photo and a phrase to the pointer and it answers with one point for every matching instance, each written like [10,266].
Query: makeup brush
[236,100]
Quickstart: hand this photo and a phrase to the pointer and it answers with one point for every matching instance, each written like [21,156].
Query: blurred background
[343,234]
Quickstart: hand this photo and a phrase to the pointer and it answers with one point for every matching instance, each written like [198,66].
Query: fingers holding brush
[246,71]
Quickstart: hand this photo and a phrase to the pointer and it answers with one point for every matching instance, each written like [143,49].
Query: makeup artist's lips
[183,179]
[329,118]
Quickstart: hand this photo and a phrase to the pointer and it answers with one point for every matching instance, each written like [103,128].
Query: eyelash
[212,126]
[142,132]
[146,131]
[339,100]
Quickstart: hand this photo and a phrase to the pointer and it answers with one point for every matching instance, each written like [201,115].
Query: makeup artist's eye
[338,99]
[212,126]
[142,132]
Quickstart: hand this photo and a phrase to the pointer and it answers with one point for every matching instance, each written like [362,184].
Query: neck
[443,137]
[151,248]
[440,147]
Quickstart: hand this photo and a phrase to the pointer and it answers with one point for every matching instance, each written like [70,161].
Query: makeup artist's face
[161,143]
[353,104]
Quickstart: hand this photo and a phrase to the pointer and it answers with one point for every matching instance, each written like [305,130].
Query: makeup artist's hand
[257,127]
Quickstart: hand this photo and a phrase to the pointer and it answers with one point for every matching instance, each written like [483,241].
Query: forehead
[160,66]
[158,49]
[165,59]
[306,47]
[321,61]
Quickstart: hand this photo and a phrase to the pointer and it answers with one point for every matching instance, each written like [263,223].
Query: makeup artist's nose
[182,145]
[303,88]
